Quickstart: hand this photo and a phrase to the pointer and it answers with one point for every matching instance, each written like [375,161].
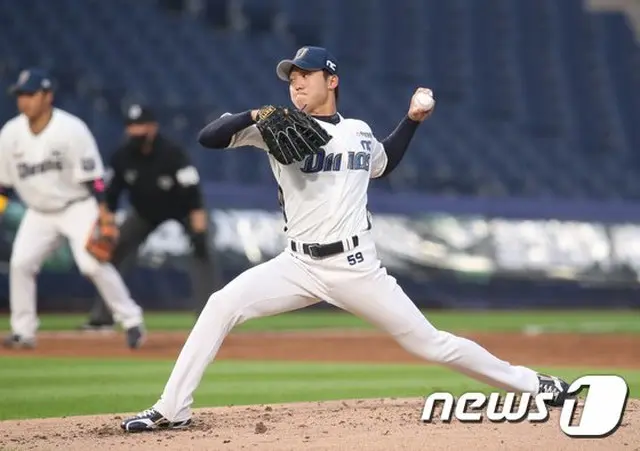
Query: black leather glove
[290,134]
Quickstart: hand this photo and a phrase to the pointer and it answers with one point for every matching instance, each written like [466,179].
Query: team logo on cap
[331,65]
[23,77]
[301,53]
[134,112]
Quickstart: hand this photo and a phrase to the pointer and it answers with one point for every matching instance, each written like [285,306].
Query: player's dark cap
[31,81]
[138,114]
[308,58]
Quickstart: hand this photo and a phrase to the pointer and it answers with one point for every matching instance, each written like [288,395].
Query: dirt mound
[380,424]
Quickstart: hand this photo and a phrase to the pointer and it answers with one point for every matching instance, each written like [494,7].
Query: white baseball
[425,100]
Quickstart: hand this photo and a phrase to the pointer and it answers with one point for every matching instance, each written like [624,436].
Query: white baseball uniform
[325,200]
[49,171]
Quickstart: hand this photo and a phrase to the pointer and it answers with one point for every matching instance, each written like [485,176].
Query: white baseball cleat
[151,420]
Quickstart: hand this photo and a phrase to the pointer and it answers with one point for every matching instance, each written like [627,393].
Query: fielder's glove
[104,236]
[290,134]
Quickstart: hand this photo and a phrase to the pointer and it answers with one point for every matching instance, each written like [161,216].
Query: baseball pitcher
[49,157]
[323,163]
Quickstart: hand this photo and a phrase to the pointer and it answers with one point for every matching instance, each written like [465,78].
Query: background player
[162,184]
[50,159]
[330,255]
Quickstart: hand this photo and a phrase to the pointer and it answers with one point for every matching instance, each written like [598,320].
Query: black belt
[316,250]
[64,207]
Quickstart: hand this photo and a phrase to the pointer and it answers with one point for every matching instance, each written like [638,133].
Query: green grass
[45,387]
[489,321]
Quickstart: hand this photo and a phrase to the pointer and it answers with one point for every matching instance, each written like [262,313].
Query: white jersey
[48,170]
[324,197]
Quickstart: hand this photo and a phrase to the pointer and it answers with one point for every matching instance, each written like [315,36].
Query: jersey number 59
[356,258]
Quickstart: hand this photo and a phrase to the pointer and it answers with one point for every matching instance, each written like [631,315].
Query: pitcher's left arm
[387,154]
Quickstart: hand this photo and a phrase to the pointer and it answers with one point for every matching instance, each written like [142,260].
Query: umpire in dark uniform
[162,185]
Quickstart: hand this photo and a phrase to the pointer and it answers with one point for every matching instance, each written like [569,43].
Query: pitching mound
[379,424]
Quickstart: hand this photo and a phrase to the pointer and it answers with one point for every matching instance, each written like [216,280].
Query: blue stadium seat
[535,97]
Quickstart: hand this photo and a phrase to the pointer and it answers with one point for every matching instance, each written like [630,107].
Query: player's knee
[218,303]
[433,345]
[442,347]
[88,268]
[224,306]
[23,265]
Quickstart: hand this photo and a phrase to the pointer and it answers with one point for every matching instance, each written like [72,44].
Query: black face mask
[136,142]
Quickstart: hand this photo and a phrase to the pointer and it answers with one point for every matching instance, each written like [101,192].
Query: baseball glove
[290,134]
[104,236]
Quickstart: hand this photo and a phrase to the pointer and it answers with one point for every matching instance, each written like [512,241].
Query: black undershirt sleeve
[218,134]
[396,144]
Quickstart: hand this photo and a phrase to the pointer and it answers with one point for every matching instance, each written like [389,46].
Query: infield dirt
[381,424]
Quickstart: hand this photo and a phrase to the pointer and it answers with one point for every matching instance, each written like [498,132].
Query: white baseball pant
[38,235]
[291,281]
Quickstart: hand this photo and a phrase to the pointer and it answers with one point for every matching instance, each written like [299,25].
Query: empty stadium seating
[536,98]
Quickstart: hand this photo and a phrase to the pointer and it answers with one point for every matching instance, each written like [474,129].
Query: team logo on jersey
[26,170]
[130,176]
[323,161]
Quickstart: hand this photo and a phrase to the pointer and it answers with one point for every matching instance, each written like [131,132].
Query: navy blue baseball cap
[139,114]
[31,81]
[308,58]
